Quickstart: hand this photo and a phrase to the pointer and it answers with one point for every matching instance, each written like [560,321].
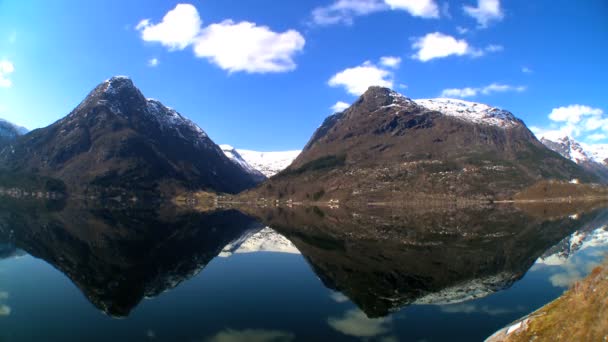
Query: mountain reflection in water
[381,259]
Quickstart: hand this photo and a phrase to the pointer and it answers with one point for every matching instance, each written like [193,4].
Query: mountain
[10,132]
[269,163]
[389,147]
[573,150]
[234,155]
[118,139]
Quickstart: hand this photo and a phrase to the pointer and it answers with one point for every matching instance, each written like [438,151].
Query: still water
[73,272]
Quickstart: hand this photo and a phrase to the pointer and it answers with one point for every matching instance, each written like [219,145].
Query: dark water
[70,272]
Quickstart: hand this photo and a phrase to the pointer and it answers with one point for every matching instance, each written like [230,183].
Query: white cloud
[459,92]
[466,308]
[6,68]
[487,90]
[355,323]
[417,8]
[344,11]
[597,136]
[573,113]
[485,12]
[526,70]
[247,47]
[439,45]
[462,30]
[176,31]
[340,106]
[390,61]
[243,46]
[338,297]
[230,335]
[356,80]
[576,121]
[5,310]
[153,62]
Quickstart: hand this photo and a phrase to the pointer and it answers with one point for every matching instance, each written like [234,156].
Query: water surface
[74,272]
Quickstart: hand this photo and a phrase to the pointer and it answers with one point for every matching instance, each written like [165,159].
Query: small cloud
[526,70]
[339,107]
[573,113]
[438,45]
[338,297]
[573,121]
[345,11]
[6,68]
[597,136]
[355,323]
[177,30]
[417,8]
[402,86]
[358,79]
[251,335]
[390,61]
[462,30]
[5,310]
[248,47]
[487,90]
[153,62]
[467,308]
[485,12]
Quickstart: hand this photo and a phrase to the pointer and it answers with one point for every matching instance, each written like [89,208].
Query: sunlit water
[260,288]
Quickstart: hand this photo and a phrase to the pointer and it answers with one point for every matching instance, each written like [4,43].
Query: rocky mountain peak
[377,97]
[568,148]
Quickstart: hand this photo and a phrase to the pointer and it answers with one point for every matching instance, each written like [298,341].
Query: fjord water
[76,272]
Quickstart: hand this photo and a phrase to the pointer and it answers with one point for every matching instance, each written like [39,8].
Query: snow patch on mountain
[236,158]
[599,152]
[265,240]
[478,113]
[269,163]
[568,148]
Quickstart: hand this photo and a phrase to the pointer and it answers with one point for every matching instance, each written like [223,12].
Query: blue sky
[263,74]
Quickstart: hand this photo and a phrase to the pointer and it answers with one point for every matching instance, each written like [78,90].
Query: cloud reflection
[467,308]
[356,323]
[251,335]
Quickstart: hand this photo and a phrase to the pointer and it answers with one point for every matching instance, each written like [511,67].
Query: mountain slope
[117,139]
[269,163]
[388,147]
[9,131]
[573,150]
[235,156]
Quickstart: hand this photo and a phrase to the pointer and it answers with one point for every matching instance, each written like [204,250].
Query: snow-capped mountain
[236,157]
[269,163]
[581,154]
[116,138]
[568,148]
[384,132]
[471,111]
[265,240]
